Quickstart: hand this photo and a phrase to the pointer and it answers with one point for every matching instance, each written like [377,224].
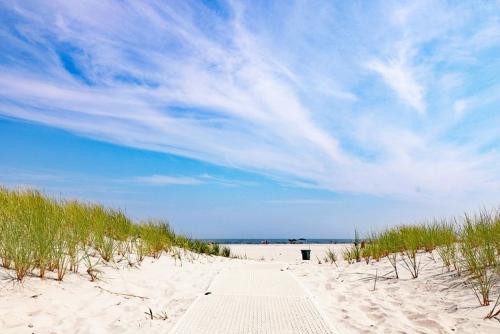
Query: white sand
[77,305]
[435,302]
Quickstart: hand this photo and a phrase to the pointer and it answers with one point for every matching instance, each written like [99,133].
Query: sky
[255,119]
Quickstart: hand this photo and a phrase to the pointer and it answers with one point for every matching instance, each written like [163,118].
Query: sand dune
[435,302]
[77,305]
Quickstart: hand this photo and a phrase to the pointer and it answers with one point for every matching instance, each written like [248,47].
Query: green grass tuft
[39,234]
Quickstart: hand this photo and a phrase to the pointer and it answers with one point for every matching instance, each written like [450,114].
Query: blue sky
[255,119]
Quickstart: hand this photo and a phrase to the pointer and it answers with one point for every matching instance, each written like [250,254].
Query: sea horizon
[237,167]
[274,241]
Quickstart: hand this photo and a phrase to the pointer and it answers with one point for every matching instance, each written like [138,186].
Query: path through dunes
[248,298]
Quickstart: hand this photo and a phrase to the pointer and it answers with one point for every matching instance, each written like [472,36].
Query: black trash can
[306,254]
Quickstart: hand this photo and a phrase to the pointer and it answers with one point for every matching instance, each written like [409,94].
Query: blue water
[278,241]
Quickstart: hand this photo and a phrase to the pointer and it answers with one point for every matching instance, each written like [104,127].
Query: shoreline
[327,241]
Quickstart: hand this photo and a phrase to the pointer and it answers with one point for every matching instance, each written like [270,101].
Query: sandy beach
[249,167]
[345,295]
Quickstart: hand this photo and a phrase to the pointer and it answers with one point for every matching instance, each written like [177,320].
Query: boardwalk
[253,298]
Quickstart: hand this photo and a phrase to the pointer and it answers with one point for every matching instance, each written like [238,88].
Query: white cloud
[168,180]
[301,201]
[288,99]
[400,77]
[459,107]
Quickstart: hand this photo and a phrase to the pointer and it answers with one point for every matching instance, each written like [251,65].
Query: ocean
[278,241]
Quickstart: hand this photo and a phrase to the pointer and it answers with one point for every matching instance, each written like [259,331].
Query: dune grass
[353,253]
[330,257]
[226,251]
[39,234]
[470,246]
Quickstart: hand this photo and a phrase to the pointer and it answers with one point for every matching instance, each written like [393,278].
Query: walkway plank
[253,299]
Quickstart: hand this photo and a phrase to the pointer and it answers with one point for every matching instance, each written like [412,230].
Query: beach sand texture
[343,296]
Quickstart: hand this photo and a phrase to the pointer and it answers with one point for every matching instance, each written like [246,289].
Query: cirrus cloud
[285,96]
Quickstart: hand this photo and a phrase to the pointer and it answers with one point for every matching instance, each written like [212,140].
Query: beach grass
[330,256]
[469,245]
[39,234]
[353,253]
[226,251]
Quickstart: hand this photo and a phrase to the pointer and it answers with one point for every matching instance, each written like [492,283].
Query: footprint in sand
[451,308]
